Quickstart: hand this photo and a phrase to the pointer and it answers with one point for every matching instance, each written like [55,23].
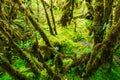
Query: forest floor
[71,42]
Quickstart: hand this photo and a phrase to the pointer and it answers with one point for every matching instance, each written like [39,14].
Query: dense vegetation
[59,39]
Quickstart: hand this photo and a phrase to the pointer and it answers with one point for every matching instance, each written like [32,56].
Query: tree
[102,52]
[48,19]
[90,12]
[67,14]
[53,19]
[101,16]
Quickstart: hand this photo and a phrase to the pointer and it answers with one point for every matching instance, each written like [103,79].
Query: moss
[41,32]
[102,74]
[67,14]
[117,13]
[11,71]
[117,53]
[103,50]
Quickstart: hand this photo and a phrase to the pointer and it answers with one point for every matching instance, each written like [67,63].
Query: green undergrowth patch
[67,41]
[21,66]
[117,53]
[102,73]
[5,76]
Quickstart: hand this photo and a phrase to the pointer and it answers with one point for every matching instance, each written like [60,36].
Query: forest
[59,39]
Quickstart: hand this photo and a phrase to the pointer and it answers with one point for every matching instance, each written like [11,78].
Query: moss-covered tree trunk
[67,13]
[36,26]
[98,22]
[101,14]
[53,19]
[117,12]
[34,23]
[33,60]
[107,10]
[21,53]
[103,48]
[48,19]
[4,63]
[102,51]
[90,9]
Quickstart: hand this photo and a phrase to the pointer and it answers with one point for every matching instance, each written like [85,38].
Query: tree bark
[53,19]
[67,13]
[48,19]
[4,63]
[98,25]
[101,16]
[90,9]
[117,13]
[102,51]
[36,26]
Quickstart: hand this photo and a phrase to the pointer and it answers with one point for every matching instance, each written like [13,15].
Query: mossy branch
[47,17]
[10,70]
[21,53]
[34,23]
[102,52]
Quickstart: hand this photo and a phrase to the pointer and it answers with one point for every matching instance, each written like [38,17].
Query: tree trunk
[21,53]
[4,63]
[48,19]
[101,14]
[98,25]
[67,13]
[117,13]
[36,26]
[38,10]
[53,19]
[90,9]
[102,51]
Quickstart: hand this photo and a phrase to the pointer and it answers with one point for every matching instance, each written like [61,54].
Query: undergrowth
[67,42]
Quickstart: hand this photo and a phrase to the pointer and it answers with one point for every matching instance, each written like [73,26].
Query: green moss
[102,74]
[117,53]
[20,64]
[67,62]
[5,77]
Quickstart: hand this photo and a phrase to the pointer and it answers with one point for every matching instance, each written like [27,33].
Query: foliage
[117,53]
[5,76]
[20,64]
[78,37]
[66,43]
[102,74]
